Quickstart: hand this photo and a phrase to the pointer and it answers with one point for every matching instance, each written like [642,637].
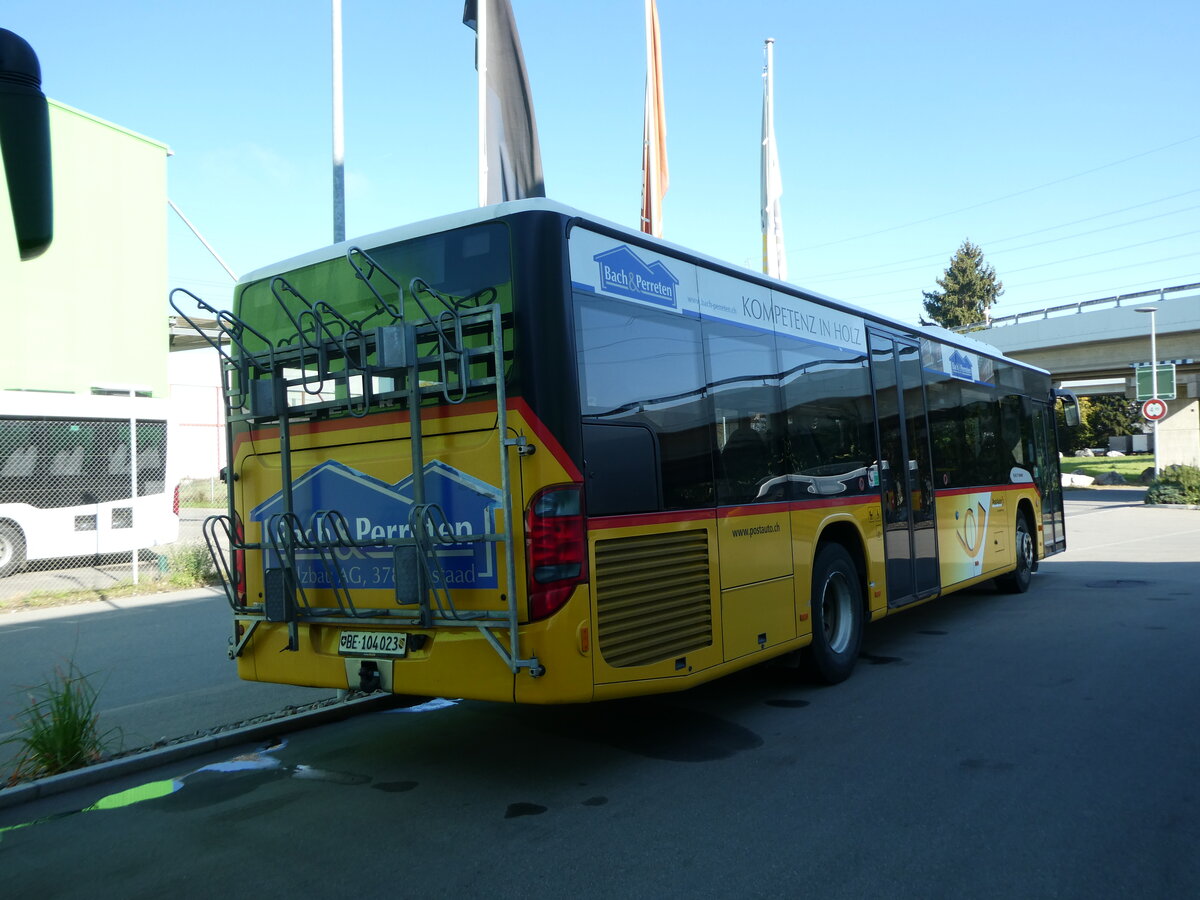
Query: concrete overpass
[1093,347]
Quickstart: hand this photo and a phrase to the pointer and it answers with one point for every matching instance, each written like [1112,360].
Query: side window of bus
[1016,417]
[108,469]
[748,425]
[945,424]
[829,417]
[18,449]
[18,459]
[1014,435]
[152,456]
[967,446]
[118,458]
[65,449]
[641,367]
[983,422]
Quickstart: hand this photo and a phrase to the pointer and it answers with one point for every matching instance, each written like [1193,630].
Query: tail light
[555,547]
[239,561]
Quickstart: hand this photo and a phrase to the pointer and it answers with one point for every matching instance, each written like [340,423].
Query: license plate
[373,643]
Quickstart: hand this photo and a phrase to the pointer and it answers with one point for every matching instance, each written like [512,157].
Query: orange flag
[654,134]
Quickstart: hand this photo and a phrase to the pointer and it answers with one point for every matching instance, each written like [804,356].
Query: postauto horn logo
[623,273]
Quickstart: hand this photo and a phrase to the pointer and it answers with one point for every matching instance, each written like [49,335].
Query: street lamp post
[1153,374]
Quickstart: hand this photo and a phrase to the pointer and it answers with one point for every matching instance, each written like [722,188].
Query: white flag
[774,255]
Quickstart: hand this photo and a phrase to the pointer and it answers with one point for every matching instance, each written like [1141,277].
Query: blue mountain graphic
[622,272]
[960,365]
[333,485]
[374,509]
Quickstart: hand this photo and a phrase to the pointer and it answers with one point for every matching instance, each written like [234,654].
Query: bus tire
[12,549]
[1018,580]
[837,615]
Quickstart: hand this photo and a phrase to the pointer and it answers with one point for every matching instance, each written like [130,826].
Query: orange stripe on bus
[515,405]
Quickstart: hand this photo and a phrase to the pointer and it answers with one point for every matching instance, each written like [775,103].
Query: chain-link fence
[86,507]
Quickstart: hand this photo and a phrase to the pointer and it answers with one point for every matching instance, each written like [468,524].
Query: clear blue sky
[1061,136]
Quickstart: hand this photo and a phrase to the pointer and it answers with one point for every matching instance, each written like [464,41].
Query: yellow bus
[521,454]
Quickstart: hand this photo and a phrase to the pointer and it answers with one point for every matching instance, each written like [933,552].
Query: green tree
[1101,416]
[968,290]
[1110,415]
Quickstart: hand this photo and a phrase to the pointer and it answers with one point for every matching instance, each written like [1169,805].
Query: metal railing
[1113,302]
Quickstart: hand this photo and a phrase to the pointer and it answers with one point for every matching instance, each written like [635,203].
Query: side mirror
[1070,406]
[25,143]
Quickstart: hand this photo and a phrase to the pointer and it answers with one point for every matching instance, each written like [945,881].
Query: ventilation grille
[652,597]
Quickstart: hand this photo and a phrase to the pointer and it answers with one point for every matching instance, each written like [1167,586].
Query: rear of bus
[328,578]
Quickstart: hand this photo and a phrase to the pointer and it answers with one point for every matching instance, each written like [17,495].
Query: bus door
[906,470]
[1054,538]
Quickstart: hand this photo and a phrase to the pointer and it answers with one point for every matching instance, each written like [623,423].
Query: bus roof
[502,210]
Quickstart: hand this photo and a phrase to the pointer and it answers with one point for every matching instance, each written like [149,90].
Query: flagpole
[339,144]
[768,134]
[649,188]
[481,44]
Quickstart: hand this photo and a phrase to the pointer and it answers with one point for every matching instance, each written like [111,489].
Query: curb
[137,762]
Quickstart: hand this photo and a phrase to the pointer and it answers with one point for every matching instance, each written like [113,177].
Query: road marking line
[1125,542]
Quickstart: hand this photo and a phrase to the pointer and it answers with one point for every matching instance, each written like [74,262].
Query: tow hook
[368,677]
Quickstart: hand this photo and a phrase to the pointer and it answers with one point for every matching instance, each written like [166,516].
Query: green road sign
[1166,382]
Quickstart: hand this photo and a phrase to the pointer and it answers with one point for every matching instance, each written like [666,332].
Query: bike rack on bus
[315,332]
[257,387]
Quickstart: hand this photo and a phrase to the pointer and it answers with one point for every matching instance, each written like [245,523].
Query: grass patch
[202,494]
[58,730]
[1130,467]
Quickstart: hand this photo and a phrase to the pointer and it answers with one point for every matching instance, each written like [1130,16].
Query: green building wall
[89,312]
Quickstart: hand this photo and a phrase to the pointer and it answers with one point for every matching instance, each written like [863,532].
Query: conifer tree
[968,290]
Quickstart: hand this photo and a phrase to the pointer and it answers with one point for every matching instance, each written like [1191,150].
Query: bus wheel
[1017,581]
[12,549]
[837,615]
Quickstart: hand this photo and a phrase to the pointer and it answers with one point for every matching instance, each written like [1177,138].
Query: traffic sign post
[1154,401]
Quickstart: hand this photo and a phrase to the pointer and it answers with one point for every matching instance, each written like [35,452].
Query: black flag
[514,162]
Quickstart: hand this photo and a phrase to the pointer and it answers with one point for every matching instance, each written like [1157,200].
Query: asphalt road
[1041,745]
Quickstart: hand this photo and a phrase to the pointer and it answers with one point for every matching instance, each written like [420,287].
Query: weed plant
[58,730]
[190,565]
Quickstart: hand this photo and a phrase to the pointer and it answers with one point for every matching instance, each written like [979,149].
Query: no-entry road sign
[1154,409]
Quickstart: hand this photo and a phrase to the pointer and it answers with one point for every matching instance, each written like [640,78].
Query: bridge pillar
[1179,432]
